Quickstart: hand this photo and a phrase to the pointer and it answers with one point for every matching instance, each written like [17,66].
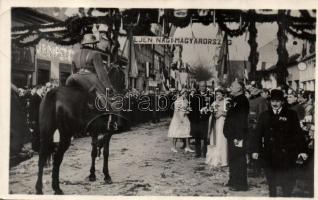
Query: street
[141,163]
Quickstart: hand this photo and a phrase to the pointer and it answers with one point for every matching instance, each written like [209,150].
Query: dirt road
[141,163]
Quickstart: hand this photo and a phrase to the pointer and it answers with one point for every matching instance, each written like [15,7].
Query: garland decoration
[303,35]
[231,32]
[177,19]
[281,65]
[254,55]
[302,26]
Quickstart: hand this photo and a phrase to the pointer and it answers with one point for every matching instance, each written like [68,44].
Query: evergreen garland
[254,55]
[281,65]
[303,35]
[232,33]
[299,27]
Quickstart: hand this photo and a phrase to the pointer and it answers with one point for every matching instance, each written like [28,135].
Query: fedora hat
[277,95]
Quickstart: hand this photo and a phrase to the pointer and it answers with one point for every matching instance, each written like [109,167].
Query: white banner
[178,40]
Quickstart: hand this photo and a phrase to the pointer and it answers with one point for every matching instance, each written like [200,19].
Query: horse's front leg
[57,160]
[106,138]
[92,176]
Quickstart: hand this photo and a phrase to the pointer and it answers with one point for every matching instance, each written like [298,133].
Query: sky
[239,50]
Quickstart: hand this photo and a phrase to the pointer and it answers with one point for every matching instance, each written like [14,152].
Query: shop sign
[177,40]
[51,51]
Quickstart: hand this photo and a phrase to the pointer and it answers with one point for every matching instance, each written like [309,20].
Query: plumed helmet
[89,37]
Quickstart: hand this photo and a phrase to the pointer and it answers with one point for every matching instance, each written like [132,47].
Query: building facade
[43,62]
[301,66]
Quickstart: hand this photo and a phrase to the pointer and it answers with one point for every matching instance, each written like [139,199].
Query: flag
[172,30]
[223,61]
[133,66]
[245,73]
[147,69]
[161,13]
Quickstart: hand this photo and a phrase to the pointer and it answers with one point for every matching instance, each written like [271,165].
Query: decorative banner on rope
[178,40]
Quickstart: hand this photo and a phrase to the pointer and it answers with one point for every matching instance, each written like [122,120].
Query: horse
[66,109]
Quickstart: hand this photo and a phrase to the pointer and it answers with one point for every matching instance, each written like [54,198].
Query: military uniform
[90,72]
[200,121]
[279,140]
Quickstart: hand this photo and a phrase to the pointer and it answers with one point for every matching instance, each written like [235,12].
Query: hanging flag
[147,69]
[134,67]
[172,30]
[161,13]
[245,72]
[223,61]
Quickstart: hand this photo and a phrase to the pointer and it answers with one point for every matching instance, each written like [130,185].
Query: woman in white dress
[217,150]
[180,124]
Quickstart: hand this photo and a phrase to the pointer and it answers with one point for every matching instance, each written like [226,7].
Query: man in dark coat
[199,118]
[235,131]
[258,104]
[280,143]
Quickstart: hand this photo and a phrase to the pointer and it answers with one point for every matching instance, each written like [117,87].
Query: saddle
[115,120]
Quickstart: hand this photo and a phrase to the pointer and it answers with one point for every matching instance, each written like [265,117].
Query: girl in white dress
[217,150]
[180,124]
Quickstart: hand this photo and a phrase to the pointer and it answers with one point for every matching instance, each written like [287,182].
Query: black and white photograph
[195,102]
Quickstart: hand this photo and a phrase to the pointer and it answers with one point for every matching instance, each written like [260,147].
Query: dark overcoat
[235,125]
[279,139]
[199,121]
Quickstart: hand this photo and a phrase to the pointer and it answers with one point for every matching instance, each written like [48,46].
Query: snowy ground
[140,163]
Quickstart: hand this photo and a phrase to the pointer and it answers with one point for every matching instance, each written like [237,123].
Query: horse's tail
[47,123]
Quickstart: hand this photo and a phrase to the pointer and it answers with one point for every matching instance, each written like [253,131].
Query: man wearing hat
[235,131]
[88,69]
[279,142]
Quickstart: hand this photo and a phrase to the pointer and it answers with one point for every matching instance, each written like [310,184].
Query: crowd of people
[269,132]
[28,102]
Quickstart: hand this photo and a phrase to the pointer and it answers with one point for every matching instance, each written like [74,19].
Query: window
[21,78]
[65,72]
[297,84]
[44,71]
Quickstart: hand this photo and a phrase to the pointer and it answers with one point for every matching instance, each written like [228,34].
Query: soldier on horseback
[65,109]
[89,71]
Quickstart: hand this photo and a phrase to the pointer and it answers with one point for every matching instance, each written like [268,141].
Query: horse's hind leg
[107,178]
[57,160]
[43,156]
[92,176]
